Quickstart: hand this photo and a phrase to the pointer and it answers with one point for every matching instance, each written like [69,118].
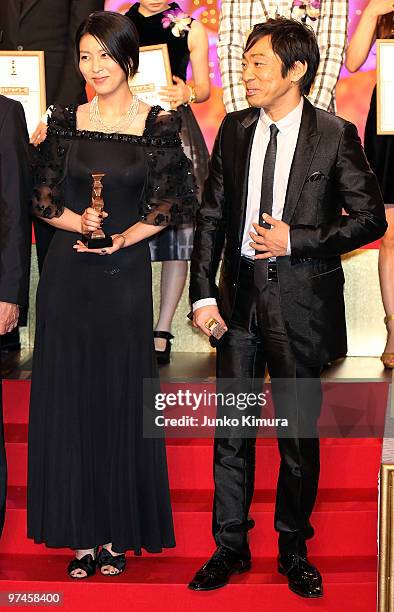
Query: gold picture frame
[154,72]
[22,77]
[386,539]
[384,86]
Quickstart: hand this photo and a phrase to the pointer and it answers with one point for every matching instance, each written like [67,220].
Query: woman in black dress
[377,21]
[93,478]
[186,39]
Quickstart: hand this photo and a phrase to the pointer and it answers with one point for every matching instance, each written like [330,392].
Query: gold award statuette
[97,239]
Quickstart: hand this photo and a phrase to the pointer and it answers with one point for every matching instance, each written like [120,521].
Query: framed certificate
[385,86]
[22,77]
[154,71]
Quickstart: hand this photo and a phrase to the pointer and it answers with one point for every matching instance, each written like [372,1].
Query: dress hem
[136,549]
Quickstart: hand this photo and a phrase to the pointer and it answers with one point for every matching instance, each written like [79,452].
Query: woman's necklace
[121,125]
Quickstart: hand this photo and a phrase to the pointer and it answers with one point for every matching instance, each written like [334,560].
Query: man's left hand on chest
[272,242]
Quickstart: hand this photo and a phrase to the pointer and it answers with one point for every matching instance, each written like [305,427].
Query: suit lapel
[27,5]
[242,149]
[308,139]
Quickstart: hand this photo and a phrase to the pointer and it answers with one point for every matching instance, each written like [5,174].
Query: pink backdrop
[353,91]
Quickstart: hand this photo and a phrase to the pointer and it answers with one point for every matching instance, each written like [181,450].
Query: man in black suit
[15,236]
[280,175]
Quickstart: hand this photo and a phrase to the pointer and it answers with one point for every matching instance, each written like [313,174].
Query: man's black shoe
[217,571]
[304,579]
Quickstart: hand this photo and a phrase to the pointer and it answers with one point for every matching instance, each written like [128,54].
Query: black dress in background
[175,242]
[93,478]
[380,153]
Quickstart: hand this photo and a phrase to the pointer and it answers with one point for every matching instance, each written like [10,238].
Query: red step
[16,395]
[338,522]
[191,467]
[190,464]
[152,582]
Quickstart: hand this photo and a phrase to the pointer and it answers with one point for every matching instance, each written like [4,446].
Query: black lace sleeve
[49,165]
[170,194]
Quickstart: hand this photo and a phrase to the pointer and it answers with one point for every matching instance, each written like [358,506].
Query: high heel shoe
[163,357]
[118,562]
[388,358]
[86,564]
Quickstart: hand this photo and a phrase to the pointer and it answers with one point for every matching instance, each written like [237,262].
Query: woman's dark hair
[385,25]
[118,36]
[292,42]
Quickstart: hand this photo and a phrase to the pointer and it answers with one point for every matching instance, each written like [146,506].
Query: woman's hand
[39,134]
[118,242]
[176,94]
[91,220]
[376,8]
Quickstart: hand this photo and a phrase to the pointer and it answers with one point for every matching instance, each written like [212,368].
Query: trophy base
[97,243]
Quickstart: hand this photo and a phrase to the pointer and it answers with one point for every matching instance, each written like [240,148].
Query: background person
[327,17]
[187,41]
[15,237]
[377,21]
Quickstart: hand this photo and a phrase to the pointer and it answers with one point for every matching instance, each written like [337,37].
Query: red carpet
[345,548]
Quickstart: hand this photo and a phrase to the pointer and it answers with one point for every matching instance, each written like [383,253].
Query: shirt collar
[288,122]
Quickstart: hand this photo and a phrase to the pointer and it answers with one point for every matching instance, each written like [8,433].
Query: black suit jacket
[49,25]
[15,192]
[329,173]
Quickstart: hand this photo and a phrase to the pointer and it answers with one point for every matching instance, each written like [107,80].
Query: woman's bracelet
[193,96]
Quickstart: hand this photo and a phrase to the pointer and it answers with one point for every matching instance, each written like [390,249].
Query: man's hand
[9,314]
[203,314]
[270,242]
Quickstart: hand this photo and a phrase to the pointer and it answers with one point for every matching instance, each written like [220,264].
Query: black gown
[379,150]
[175,243]
[93,478]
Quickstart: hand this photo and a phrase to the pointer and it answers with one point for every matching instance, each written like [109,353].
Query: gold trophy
[97,239]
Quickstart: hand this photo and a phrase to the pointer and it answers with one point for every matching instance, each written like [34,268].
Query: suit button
[20,48]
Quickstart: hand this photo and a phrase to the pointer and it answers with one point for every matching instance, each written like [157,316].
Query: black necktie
[266,200]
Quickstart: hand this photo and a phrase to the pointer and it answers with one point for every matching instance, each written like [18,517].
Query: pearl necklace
[121,125]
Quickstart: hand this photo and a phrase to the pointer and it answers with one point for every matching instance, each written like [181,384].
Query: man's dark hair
[117,34]
[292,42]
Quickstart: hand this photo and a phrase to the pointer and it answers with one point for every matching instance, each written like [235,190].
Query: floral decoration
[178,21]
[302,9]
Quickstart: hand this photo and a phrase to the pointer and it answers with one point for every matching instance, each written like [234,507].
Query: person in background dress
[377,21]
[187,40]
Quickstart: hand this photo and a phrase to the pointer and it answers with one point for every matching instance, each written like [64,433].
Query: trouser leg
[296,392]
[239,357]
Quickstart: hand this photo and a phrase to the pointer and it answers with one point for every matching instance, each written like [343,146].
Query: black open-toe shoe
[163,357]
[86,563]
[117,561]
